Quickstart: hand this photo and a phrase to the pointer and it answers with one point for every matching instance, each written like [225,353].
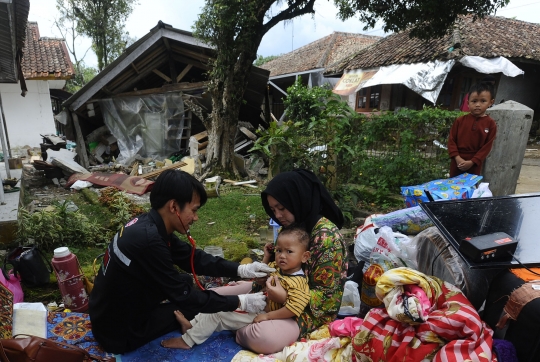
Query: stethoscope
[192,258]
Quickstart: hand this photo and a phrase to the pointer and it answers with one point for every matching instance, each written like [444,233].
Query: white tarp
[426,79]
[490,66]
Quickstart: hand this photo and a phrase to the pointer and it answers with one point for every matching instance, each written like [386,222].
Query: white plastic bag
[365,240]
[350,303]
[482,191]
[80,184]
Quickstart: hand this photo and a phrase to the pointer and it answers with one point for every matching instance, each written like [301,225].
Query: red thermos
[69,276]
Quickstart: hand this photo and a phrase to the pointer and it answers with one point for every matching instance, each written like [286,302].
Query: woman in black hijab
[298,197]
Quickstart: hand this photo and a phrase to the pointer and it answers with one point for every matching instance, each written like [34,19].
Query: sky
[281,39]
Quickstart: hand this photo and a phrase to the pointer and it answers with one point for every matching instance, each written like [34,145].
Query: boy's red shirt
[472,138]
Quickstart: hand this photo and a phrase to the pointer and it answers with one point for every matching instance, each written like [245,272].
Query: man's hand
[252,303]
[261,317]
[275,291]
[254,270]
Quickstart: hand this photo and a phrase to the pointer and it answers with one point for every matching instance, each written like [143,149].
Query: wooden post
[81,147]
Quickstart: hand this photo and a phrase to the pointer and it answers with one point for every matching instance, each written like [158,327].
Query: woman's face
[283,216]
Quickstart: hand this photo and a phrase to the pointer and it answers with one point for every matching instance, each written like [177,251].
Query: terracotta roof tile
[45,57]
[504,37]
[319,53]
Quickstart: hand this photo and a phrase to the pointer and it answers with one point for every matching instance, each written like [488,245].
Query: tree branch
[291,12]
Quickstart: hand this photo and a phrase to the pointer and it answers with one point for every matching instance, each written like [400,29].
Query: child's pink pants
[265,337]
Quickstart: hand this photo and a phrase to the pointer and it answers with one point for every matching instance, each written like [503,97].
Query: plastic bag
[482,191]
[13,283]
[350,303]
[407,221]
[385,255]
[455,188]
[365,239]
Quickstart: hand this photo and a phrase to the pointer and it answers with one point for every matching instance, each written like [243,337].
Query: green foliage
[120,206]
[59,227]
[382,151]
[317,131]
[102,21]
[262,60]
[83,75]
[425,18]
[399,148]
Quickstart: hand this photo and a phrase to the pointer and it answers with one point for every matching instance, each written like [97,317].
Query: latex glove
[254,270]
[252,303]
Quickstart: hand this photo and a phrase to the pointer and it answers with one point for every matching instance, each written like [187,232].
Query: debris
[158,172]
[241,183]
[81,184]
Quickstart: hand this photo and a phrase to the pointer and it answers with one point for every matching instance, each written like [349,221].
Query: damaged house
[399,71]
[308,64]
[136,107]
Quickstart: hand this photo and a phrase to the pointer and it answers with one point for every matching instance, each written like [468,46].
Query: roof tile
[319,53]
[45,57]
[505,37]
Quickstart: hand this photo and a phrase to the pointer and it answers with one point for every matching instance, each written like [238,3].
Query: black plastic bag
[31,264]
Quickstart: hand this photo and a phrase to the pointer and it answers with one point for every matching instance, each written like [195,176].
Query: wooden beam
[135,68]
[193,54]
[196,63]
[166,88]
[144,72]
[81,146]
[172,70]
[162,75]
[200,136]
[106,91]
[183,73]
[166,42]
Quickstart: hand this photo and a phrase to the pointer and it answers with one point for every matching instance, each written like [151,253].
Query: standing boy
[472,135]
[291,252]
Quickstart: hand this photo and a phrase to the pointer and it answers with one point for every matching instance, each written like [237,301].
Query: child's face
[479,103]
[290,254]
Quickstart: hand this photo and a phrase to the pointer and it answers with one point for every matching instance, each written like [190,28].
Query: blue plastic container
[274,225]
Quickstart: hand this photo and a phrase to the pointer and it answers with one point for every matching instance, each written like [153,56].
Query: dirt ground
[529,177]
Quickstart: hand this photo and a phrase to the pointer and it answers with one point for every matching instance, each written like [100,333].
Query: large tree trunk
[227,97]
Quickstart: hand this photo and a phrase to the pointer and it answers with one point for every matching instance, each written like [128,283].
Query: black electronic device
[490,247]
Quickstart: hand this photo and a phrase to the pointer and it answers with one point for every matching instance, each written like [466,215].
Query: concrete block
[503,165]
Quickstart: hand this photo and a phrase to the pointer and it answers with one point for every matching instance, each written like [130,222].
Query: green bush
[384,150]
[59,227]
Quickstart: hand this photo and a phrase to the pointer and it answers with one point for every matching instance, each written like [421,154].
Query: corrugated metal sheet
[13,19]
[8,70]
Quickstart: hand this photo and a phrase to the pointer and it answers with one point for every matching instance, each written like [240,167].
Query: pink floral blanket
[451,331]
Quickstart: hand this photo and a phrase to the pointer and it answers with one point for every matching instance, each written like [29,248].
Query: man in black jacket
[138,287]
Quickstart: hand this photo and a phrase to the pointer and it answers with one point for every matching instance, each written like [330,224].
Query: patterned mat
[75,329]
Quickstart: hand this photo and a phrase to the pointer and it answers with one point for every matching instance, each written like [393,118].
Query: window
[368,99]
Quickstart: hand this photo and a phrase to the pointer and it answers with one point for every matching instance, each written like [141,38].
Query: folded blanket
[320,348]
[451,331]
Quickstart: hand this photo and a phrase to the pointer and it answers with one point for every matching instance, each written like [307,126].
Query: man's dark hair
[482,87]
[178,185]
[297,232]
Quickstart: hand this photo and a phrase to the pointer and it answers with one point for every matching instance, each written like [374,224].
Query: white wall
[27,117]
